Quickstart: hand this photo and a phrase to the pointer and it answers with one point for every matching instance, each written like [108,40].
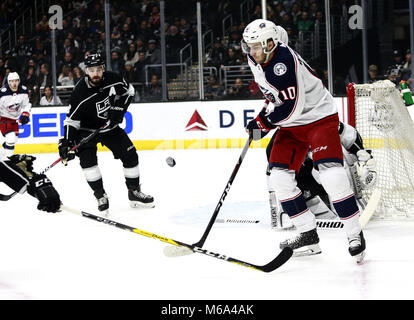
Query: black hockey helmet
[93,59]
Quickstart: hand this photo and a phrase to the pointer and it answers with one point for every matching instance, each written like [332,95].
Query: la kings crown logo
[102,108]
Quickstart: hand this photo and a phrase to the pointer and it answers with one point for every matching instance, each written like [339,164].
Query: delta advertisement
[170,125]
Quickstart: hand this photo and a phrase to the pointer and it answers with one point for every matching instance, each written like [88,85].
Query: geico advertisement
[160,121]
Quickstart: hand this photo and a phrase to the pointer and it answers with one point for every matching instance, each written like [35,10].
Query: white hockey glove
[366,168]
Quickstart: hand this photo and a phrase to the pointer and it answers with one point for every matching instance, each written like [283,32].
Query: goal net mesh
[386,127]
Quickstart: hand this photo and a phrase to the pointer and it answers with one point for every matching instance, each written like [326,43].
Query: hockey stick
[370,208]
[82,142]
[181,251]
[320,223]
[281,258]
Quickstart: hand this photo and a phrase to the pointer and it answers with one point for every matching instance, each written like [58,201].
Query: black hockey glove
[42,189]
[24,118]
[64,147]
[116,114]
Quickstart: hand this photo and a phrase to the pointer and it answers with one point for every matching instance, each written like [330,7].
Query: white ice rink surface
[65,256]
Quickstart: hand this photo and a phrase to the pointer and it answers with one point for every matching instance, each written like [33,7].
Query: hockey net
[379,114]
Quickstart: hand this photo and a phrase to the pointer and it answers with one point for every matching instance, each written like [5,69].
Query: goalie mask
[260,31]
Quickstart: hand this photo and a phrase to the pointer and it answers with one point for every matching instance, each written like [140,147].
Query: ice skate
[103,202]
[357,247]
[139,199]
[304,244]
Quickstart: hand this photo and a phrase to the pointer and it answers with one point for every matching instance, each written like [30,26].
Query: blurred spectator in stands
[154,18]
[255,92]
[44,23]
[47,99]
[140,45]
[100,45]
[45,77]
[313,10]
[235,38]
[154,56]
[238,91]
[30,79]
[174,42]
[153,91]
[127,37]
[128,72]
[186,31]
[66,77]
[21,52]
[68,46]
[77,74]
[38,47]
[279,11]
[140,67]
[373,73]
[145,31]
[393,72]
[87,45]
[67,61]
[216,54]
[232,58]
[117,63]
[131,55]
[296,13]
[213,90]
[116,40]
[287,22]
[305,23]
[257,12]
[319,18]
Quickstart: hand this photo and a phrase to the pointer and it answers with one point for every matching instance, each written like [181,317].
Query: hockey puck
[170,161]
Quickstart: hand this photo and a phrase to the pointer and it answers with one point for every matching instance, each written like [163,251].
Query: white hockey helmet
[260,31]
[283,36]
[12,76]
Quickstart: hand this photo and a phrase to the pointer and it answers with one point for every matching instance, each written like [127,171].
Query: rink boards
[167,125]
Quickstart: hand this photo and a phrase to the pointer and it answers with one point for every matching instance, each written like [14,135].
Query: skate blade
[137,204]
[359,257]
[308,251]
[104,213]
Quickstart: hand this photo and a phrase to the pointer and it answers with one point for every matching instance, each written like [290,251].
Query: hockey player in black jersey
[99,97]
[17,172]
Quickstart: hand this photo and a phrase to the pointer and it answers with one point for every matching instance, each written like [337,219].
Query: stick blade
[370,208]
[277,262]
[177,251]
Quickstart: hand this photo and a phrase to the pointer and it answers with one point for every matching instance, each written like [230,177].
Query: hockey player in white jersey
[14,108]
[305,111]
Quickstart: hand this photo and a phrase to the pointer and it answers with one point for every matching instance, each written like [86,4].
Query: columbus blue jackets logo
[280,69]
[102,108]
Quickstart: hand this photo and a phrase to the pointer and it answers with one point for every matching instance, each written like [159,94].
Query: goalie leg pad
[293,203]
